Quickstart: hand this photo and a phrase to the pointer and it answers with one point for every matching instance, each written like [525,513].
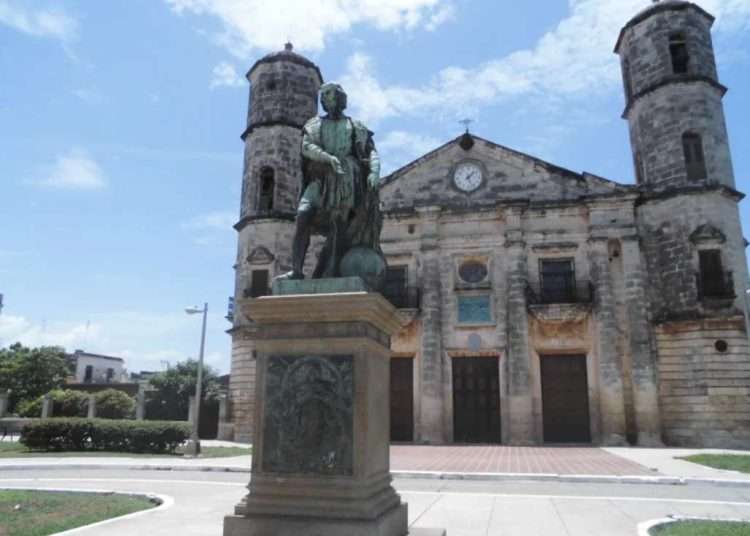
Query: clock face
[468,176]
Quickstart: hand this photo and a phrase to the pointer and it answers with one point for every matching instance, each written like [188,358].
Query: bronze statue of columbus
[339,192]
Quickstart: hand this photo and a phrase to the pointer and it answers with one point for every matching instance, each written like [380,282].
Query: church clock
[467,177]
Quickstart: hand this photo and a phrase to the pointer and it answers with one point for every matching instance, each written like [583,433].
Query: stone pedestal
[140,405]
[91,407]
[321,462]
[226,429]
[4,396]
[46,407]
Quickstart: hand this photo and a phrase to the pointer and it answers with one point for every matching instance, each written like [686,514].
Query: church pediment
[480,173]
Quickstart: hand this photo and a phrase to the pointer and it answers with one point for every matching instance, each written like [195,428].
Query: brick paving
[506,459]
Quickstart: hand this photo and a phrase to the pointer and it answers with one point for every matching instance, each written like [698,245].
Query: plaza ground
[471,491]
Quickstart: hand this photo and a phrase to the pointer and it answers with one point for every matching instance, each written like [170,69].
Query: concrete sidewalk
[563,464]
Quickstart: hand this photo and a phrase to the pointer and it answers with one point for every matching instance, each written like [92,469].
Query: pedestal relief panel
[308,415]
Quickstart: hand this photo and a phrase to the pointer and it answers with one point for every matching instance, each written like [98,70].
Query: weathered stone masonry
[652,315]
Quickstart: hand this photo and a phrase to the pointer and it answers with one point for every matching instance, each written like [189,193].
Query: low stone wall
[704,391]
[12,425]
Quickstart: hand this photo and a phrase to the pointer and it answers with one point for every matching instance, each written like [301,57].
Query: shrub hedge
[114,404]
[73,434]
[65,403]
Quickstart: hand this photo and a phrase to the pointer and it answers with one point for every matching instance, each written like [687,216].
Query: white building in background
[97,368]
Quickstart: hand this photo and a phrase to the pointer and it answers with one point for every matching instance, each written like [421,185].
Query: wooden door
[565,399]
[402,399]
[476,400]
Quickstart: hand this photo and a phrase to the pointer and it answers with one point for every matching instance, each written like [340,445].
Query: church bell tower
[688,223]
[283,96]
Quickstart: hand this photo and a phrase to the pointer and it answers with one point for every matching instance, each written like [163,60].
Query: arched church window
[695,163]
[267,187]
[679,52]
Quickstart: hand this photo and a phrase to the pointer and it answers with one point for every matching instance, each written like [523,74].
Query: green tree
[173,388]
[31,372]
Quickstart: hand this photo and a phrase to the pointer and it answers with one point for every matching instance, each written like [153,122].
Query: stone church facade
[540,305]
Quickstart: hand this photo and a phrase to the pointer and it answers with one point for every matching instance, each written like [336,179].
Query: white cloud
[221,220]
[91,96]
[259,24]
[143,339]
[573,60]
[68,335]
[225,75]
[53,23]
[398,148]
[213,228]
[75,171]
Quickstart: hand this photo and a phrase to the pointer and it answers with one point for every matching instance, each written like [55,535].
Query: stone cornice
[277,123]
[273,216]
[669,80]
[340,307]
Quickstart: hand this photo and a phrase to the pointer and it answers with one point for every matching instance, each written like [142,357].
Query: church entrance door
[565,399]
[476,400]
[402,399]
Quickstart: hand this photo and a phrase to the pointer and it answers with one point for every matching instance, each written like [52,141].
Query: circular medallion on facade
[473,271]
[467,176]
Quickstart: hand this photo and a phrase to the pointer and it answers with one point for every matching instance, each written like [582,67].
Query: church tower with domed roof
[283,96]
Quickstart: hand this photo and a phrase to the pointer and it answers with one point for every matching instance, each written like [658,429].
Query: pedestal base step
[391,523]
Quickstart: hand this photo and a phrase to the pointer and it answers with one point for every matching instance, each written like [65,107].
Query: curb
[413,475]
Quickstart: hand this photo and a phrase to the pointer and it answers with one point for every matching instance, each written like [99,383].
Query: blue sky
[120,157]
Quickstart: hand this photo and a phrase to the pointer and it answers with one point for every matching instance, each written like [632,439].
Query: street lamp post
[194,445]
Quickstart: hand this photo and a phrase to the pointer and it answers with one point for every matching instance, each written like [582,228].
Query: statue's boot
[299,246]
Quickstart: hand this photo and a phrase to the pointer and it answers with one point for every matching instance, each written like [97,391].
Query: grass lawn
[17,450]
[37,513]
[702,528]
[732,462]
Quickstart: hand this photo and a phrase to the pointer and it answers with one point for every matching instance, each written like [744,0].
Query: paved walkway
[475,462]
[505,459]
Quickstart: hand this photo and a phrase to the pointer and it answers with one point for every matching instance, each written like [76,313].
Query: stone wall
[704,392]
[276,147]
[242,385]
[666,226]
[662,105]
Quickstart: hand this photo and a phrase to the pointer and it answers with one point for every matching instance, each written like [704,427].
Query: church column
[431,374]
[611,394]
[645,386]
[520,430]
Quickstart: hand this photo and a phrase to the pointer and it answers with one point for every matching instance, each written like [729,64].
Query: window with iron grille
[259,283]
[695,163]
[679,52]
[711,273]
[557,281]
[396,278]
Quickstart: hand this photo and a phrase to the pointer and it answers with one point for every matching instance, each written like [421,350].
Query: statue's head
[333,98]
